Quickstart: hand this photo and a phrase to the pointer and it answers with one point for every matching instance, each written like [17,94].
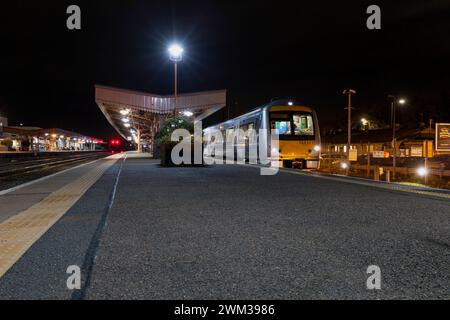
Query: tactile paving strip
[18,233]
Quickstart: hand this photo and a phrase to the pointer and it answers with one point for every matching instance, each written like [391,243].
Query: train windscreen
[293,124]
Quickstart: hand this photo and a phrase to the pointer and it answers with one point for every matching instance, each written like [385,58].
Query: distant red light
[115,142]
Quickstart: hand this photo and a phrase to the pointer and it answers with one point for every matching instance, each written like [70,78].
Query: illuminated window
[284,127]
[303,125]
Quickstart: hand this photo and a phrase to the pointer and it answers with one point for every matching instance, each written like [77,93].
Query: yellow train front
[299,135]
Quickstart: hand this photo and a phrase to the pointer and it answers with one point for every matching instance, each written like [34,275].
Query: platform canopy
[137,116]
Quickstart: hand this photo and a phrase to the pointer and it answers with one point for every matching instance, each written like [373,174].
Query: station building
[20,138]
[415,142]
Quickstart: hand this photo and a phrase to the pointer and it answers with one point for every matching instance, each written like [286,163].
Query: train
[299,143]
[116,145]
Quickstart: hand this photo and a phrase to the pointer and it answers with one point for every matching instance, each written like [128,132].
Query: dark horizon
[257,51]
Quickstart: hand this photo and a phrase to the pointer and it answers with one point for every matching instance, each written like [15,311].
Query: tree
[169,126]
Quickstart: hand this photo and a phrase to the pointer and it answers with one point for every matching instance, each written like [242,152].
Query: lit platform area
[141,231]
[34,139]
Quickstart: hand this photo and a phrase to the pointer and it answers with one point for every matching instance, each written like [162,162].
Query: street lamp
[394,102]
[176,55]
[349,108]
[364,123]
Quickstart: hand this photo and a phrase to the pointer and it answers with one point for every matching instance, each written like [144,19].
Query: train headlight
[317,148]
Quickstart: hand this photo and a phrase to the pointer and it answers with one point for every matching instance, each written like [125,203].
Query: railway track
[14,172]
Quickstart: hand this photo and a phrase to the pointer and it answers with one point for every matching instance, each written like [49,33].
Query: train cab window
[282,122]
[303,125]
[284,127]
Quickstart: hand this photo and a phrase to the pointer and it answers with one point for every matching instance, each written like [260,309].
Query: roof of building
[40,132]
[144,112]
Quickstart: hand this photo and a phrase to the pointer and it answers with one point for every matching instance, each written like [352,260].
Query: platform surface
[225,231]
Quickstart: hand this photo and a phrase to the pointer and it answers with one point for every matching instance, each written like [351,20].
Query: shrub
[7,142]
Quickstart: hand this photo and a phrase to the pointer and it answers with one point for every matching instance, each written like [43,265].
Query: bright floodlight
[290,103]
[422,171]
[188,113]
[402,101]
[176,52]
[364,121]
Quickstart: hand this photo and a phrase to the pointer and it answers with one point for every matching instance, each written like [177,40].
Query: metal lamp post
[349,108]
[394,142]
[176,55]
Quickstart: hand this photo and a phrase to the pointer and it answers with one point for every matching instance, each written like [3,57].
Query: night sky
[257,50]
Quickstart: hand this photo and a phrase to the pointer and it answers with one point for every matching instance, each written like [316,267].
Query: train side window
[229,134]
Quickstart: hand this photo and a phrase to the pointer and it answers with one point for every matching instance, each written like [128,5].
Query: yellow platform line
[21,231]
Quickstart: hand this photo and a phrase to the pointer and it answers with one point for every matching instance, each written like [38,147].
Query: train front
[299,136]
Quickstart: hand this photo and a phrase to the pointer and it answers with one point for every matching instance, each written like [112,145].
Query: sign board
[416,151]
[442,137]
[353,155]
[378,154]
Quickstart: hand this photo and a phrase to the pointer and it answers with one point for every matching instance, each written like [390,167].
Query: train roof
[272,103]
[283,102]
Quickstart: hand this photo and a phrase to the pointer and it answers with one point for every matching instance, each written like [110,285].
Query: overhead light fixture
[290,103]
[127,125]
[176,52]
[125,120]
[188,113]
[125,112]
